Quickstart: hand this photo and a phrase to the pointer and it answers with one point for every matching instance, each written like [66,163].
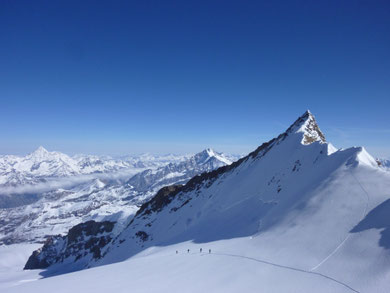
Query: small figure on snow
[177,252]
[209,250]
[200,250]
[188,251]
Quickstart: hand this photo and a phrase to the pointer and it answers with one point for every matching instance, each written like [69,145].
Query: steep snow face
[293,203]
[55,212]
[267,181]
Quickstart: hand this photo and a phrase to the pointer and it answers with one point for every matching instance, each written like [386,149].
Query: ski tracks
[287,268]
[311,271]
[348,235]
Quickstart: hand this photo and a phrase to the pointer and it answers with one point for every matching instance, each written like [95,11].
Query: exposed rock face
[84,239]
[161,199]
[307,124]
[46,255]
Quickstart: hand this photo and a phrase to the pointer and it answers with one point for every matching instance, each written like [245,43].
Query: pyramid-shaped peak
[39,153]
[307,125]
[209,151]
[205,154]
[41,149]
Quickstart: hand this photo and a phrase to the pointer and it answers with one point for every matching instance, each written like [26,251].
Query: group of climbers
[188,251]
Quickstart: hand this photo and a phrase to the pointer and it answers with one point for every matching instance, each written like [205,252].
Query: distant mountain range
[56,192]
[42,165]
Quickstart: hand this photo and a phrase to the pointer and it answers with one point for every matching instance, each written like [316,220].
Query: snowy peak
[209,154]
[41,149]
[206,153]
[40,152]
[364,158]
[178,173]
[307,125]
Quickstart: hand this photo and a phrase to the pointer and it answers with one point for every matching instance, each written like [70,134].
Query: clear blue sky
[115,77]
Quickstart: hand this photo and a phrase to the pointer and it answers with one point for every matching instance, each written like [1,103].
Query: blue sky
[117,77]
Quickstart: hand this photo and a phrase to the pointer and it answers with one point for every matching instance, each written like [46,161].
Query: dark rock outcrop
[46,255]
[83,239]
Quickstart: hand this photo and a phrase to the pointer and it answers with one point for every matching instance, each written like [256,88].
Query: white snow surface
[12,260]
[161,270]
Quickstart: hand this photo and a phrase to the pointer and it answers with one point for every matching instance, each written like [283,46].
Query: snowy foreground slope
[296,215]
[12,260]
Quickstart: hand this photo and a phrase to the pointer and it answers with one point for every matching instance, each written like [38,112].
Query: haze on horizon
[101,77]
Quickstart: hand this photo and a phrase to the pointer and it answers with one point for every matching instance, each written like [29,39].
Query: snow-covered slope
[12,261]
[295,215]
[56,211]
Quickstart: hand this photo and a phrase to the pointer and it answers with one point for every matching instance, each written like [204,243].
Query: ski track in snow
[287,268]
[349,235]
[331,254]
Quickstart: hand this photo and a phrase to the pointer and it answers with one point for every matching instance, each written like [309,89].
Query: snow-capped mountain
[34,167]
[41,165]
[148,160]
[99,199]
[152,180]
[296,212]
